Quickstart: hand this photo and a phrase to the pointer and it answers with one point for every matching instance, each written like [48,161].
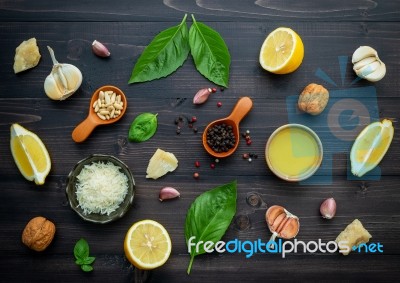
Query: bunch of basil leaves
[170,49]
[209,217]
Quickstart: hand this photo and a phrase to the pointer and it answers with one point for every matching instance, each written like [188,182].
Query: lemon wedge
[282,51]
[30,154]
[370,147]
[147,244]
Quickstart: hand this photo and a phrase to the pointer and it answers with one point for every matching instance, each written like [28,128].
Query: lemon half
[30,154]
[282,51]
[370,147]
[147,244]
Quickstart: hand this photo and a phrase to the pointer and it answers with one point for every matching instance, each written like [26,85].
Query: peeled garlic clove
[368,69]
[63,80]
[364,62]
[363,52]
[99,49]
[378,74]
[367,64]
[168,193]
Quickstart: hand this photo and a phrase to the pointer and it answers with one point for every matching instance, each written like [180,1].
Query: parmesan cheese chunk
[101,188]
[26,55]
[355,234]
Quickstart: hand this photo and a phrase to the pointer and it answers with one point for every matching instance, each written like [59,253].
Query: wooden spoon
[85,128]
[242,107]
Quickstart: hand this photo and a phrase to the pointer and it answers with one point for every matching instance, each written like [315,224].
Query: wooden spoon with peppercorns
[223,146]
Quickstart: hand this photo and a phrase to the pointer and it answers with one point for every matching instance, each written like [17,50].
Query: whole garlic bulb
[367,64]
[63,80]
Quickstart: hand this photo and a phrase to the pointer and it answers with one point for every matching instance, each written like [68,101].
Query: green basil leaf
[79,261]
[143,127]
[209,217]
[86,267]
[210,53]
[166,53]
[81,249]
[88,260]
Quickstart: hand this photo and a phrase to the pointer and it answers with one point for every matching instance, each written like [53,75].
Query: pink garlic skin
[99,49]
[328,208]
[168,193]
[202,95]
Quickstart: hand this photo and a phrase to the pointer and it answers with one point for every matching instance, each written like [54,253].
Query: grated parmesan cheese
[101,188]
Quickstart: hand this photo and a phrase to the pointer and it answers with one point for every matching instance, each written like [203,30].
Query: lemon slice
[370,147]
[30,154]
[147,244]
[282,51]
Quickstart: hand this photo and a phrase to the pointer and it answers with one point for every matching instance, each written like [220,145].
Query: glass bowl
[97,217]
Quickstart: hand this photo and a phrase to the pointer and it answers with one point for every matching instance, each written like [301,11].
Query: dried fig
[38,233]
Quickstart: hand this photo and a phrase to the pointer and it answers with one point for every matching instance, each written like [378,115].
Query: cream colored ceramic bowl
[294,152]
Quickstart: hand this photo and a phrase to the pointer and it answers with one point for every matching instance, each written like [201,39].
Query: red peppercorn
[194,119]
[248,142]
[212,165]
[214,89]
[196,175]
[247,138]
[219,104]
[245,155]
[197,164]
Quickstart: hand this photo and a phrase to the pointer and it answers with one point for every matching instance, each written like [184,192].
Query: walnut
[38,233]
[313,99]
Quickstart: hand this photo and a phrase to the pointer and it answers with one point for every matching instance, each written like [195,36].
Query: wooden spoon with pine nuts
[107,106]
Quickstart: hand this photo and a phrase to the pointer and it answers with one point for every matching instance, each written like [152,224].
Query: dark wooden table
[331,31]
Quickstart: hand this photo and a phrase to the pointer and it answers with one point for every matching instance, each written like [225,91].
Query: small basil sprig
[170,48]
[81,253]
[143,127]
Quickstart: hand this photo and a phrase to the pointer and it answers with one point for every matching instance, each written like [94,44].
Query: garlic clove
[367,64]
[202,95]
[368,69]
[378,74]
[328,208]
[362,63]
[363,52]
[99,49]
[63,81]
[282,223]
[168,193]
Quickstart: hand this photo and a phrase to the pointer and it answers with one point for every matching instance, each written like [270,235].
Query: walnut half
[38,233]
[313,99]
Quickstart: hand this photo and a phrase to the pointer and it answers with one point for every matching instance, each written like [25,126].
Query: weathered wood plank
[220,10]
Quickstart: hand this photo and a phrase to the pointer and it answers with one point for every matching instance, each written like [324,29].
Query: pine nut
[102,117]
[108,105]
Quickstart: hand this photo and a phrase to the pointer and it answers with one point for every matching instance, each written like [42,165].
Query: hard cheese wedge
[160,164]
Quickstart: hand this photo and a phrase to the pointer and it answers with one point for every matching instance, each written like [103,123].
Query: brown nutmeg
[38,233]
[313,99]
[282,223]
